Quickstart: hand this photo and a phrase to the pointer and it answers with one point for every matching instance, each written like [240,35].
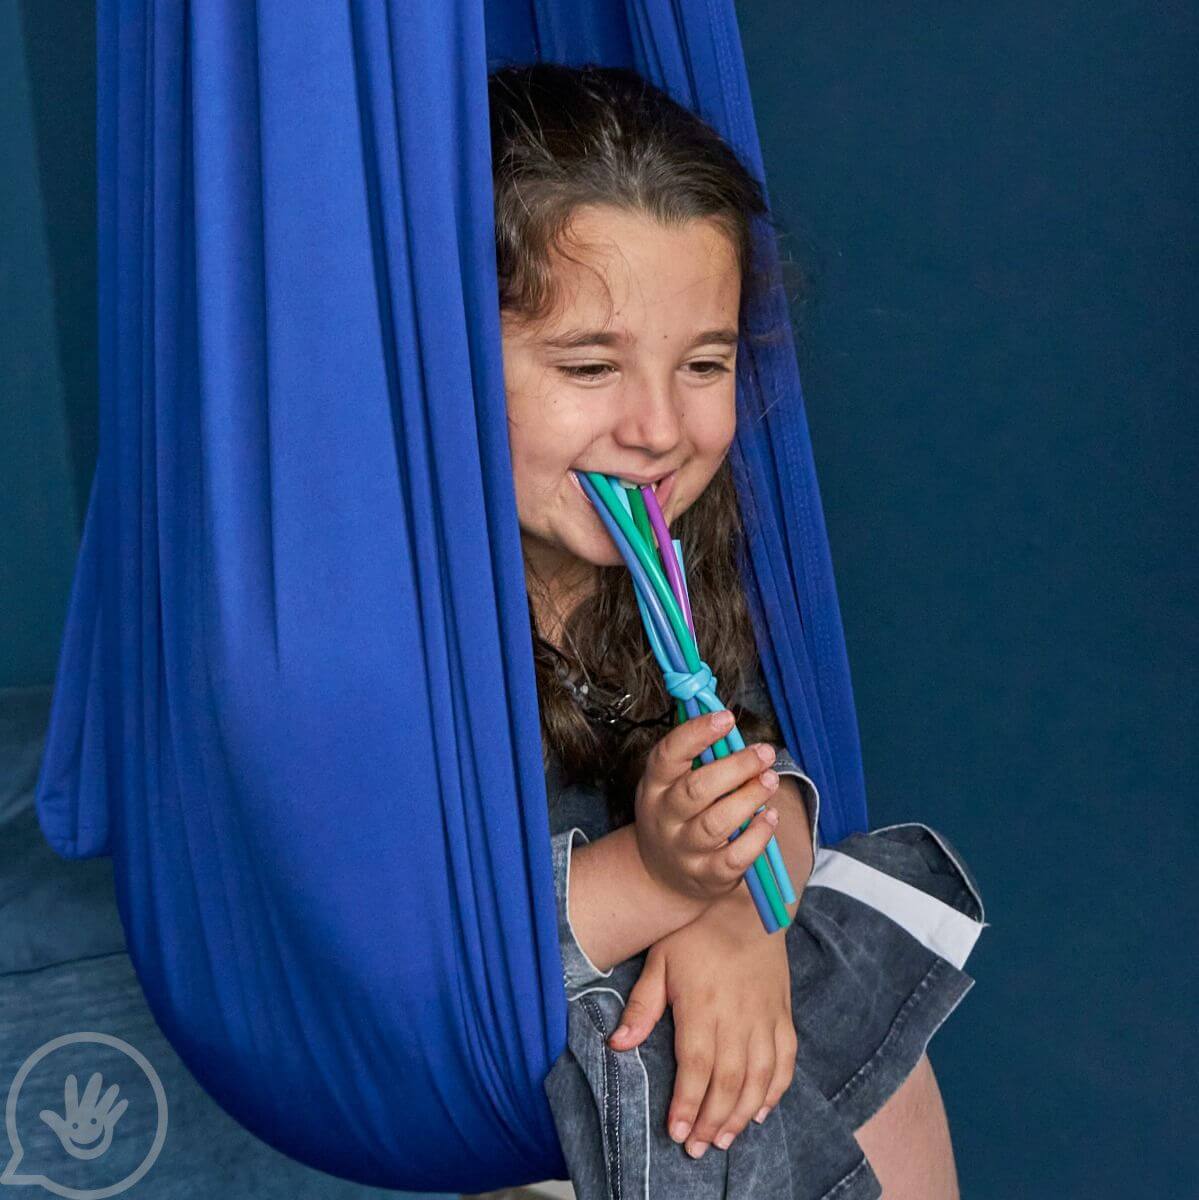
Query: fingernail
[679,1130]
[760,1115]
[771,817]
[697,1149]
[766,753]
[722,719]
[770,779]
[621,1030]
[725,1140]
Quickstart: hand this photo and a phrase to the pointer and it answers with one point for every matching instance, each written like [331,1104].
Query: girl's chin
[606,556]
[592,545]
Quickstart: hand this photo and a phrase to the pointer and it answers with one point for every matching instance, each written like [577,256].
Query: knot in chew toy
[684,685]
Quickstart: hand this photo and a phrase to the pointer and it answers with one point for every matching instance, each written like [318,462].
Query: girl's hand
[729,986]
[684,816]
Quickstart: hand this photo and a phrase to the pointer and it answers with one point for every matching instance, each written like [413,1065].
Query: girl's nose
[651,420]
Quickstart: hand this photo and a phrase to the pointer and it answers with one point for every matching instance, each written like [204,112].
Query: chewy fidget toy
[655,561]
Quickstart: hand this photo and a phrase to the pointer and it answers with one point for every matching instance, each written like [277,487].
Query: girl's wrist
[737,911]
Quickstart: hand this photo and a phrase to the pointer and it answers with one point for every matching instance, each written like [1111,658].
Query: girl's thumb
[646,1004]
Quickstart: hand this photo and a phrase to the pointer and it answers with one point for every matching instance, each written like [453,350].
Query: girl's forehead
[617,268]
[600,237]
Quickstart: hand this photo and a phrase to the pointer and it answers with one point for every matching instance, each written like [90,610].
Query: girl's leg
[907,1141]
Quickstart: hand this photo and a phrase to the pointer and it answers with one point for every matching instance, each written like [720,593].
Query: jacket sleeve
[577,969]
[909,873]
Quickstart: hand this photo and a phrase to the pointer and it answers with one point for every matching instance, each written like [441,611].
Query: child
[625,264]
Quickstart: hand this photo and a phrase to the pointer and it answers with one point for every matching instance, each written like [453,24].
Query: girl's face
[633,375]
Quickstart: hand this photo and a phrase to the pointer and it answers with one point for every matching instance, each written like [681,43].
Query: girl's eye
[587,370]
[712,368]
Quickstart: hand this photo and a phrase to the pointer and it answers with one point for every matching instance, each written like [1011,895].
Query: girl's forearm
[617,909]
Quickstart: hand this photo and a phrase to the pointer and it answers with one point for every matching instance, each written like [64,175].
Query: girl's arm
[617,909]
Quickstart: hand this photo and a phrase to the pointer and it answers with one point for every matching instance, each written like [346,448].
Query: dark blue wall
[47,320]
[995,206]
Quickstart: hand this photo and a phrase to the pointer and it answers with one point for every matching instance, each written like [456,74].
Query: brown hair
[562,137]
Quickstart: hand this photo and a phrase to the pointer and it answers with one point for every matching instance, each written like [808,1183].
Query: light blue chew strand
[675,651]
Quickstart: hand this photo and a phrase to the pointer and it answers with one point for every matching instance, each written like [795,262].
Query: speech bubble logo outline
[10,1175]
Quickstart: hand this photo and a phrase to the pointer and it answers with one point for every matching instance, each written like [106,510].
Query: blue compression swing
[301,564]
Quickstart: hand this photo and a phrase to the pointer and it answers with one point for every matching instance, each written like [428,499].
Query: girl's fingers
[670,758]
[733,860]
[693,1052]
[786,1047]
[725,1086]
[703,786]
[711,828]
[759,1074]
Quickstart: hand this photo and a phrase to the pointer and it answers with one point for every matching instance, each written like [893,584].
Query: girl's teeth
[629,484]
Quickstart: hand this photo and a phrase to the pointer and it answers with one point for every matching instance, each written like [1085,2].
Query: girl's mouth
[662,488]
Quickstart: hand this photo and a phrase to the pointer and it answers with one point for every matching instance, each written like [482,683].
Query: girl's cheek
[717,437]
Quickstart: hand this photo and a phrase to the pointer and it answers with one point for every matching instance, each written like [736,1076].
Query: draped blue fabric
[295,701]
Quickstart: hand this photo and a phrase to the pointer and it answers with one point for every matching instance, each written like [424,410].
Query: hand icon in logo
[88,1119]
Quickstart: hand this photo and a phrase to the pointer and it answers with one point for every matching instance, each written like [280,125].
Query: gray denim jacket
[885,922]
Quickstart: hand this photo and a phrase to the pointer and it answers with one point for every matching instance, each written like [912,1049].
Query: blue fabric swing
[301,561]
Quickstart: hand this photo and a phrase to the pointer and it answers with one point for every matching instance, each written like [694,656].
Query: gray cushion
[52,910]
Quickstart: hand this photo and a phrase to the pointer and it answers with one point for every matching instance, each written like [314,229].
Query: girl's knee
[907,1141]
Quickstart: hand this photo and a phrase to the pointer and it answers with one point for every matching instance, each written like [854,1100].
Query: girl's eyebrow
[573,339]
